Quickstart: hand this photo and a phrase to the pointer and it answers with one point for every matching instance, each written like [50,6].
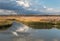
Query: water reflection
[29,34]
[47,27]
[41,35]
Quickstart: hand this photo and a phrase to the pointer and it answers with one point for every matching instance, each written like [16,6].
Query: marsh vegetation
[36,25]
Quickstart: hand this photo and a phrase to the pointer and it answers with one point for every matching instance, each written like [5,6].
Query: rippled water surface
[21,32]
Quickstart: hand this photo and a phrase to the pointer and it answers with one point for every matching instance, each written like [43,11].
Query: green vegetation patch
[5,24]
[40,25]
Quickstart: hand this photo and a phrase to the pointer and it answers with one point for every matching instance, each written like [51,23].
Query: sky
[30,7]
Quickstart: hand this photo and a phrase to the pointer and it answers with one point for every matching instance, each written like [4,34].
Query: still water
[21,32]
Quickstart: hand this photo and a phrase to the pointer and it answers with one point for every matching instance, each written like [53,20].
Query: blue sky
[37,7]
[52,3]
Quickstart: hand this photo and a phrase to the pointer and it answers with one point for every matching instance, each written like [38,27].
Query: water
[21,32]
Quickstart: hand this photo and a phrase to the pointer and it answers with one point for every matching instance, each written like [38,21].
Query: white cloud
[24,6]
[44,6]
[22,3]
[7,12]
[49,9]
[52,10]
